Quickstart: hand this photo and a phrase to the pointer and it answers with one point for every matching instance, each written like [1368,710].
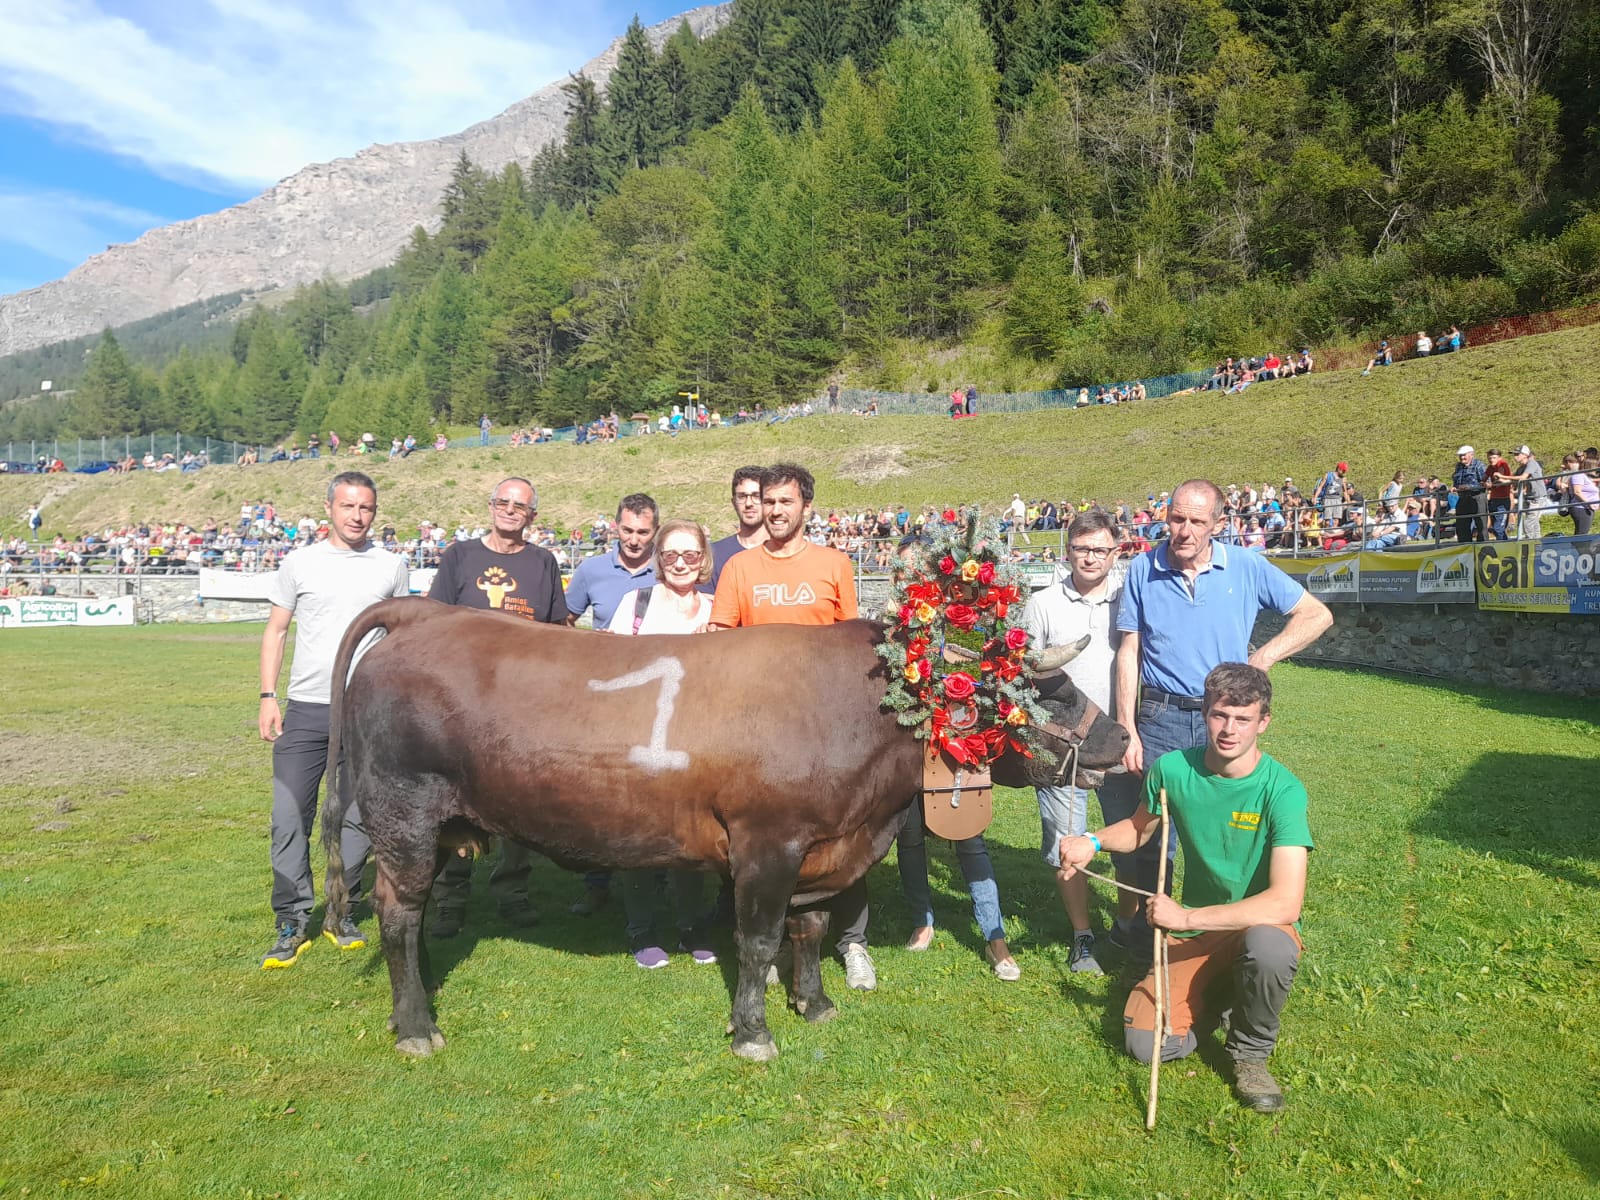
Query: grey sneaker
[286,951]
[346,935]
[859,972]
[1082,959]
[1256,1088]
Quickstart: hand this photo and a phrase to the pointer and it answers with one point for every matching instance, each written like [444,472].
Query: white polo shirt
[1057,615]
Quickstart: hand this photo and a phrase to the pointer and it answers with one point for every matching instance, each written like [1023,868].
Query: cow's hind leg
[400,924]
[806,930]
[761,898]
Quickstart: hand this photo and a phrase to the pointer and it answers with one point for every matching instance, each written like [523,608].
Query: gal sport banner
[1443,575]
[1551,575]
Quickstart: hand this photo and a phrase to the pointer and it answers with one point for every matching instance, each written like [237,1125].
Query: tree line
[1098,189]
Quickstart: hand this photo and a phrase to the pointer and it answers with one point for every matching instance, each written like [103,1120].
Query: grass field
[1537,390]
[1440,1040]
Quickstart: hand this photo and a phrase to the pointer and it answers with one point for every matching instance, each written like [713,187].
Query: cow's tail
[387,615]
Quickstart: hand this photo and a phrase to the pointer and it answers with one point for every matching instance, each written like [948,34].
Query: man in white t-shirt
[321,588]
[1083,604]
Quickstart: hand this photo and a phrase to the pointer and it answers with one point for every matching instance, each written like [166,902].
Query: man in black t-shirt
[504,572]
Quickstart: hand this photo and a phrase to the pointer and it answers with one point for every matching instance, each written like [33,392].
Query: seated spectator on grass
[1383,358]
[1304,364]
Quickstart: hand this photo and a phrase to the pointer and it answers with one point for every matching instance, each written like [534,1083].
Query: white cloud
[249,91]
[65,226]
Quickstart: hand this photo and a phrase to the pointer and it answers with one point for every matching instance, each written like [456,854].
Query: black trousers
[1469,518]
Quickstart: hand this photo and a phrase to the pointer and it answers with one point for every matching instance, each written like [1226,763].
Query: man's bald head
[1199,492]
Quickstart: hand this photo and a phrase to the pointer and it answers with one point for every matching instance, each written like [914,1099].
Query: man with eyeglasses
[598,586]
[752,530]
[1084,604]
[501,571]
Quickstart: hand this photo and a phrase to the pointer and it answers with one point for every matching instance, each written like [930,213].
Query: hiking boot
[1256,1088]
[1082,959]
[345,935]
[447,922]
[594,899]
[286,951]
[518,913]
[859,972]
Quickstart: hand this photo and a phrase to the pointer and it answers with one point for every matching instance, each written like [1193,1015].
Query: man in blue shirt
[602,580]
[1188,606]
[1468,481]
[599,585]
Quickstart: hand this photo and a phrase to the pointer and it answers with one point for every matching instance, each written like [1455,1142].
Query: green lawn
[1440,1040]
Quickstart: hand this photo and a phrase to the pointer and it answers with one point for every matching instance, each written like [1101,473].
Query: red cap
[1343,467]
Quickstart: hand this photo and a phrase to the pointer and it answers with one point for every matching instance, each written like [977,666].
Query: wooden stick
[1158,969]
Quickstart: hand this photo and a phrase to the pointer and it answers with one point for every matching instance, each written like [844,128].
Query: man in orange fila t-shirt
[787,580]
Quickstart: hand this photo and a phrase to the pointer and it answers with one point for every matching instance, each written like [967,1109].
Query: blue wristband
[1095,840]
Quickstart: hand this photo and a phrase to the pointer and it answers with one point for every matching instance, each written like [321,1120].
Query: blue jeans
[1163,728]
[971,853]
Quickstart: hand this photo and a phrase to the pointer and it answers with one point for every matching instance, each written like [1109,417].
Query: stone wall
[1542,652]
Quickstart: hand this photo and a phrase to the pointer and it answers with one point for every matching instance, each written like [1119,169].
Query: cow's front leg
[761,898]
[400,925]
[806,931]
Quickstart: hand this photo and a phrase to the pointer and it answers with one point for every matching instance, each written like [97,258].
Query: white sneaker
[858,970]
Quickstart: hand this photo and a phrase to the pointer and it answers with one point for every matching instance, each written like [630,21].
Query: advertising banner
[47,612]
[1551,575]
[1374,577]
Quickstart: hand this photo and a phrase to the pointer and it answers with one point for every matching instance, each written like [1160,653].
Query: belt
[1182,703]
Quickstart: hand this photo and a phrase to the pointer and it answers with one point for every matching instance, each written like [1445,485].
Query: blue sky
[117,116]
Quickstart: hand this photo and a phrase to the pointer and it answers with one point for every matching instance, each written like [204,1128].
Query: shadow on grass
[1582,1145]
[1532,809]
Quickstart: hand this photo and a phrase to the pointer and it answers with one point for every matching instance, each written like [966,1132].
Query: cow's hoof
[822,1010]
[420,1047]
[763,1051]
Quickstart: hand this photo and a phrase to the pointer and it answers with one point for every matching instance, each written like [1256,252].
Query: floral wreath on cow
[956,601]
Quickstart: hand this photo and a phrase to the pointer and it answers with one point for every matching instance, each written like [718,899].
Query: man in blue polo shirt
[602,580]
[1188,606]
[599,585]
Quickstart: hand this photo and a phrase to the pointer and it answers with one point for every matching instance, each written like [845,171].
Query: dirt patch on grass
[874,464]
[70,761]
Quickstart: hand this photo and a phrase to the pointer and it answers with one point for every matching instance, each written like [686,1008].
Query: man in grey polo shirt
[321,588]
[1187,607]
[1084,604]
[598,586]
[1534,493]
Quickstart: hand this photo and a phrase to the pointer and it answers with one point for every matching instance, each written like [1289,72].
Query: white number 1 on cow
[655,756]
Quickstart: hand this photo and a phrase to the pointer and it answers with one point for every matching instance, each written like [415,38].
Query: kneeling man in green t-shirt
[1240,816]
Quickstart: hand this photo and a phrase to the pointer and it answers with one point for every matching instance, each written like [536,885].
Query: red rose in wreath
[959,687]
[986,574]
[949,515]
[1016,639]
[962,616]
[947,565]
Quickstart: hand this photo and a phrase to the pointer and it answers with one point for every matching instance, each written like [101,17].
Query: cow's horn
[1057,657]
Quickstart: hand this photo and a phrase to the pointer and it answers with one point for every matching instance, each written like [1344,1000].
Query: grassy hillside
[1412,417]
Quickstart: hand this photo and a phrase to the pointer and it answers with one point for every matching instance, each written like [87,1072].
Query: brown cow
[763,753]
